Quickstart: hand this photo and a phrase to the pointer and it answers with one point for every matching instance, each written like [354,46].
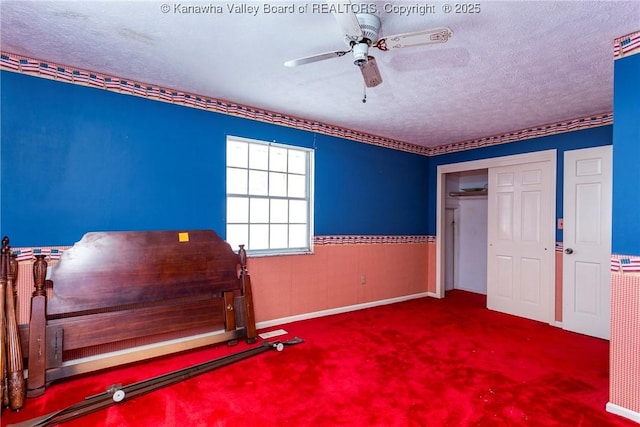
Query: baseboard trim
[338,310]
[623,412]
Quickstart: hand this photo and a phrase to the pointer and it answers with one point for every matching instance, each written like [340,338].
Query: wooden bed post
[248,297]
[4,397]
[15,368]
[37,338]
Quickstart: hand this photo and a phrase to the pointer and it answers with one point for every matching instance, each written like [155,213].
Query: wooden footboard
[121,297]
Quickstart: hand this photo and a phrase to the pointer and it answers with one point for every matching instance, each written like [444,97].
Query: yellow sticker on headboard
[183,237]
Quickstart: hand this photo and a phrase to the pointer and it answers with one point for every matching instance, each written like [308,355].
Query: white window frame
[250,198]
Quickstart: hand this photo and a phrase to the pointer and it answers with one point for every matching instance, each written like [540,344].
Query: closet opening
[465,231]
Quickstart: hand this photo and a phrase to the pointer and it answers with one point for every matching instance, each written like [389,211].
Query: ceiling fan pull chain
[364,94]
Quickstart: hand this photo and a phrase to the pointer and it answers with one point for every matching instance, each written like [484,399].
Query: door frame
[442,170]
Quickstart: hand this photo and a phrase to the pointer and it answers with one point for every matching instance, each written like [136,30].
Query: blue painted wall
[561,142]
[626,156]
[77,159]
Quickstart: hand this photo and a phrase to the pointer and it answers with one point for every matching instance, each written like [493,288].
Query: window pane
[237,209]
[298,236]
[297,186]
[257,183]
[237,153]
[258,156]
[278,238]
[277,159]
[237,234]
[259,209]
[298,211]
[297,162]
[259,236]
[277,184]
[279,211]
[268,196]
[236,181]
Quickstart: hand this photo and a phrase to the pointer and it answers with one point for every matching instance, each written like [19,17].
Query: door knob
[568,251]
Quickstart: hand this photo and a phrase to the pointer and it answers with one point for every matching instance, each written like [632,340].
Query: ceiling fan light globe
[360,54]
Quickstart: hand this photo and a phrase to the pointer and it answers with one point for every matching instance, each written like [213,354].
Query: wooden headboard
[120,297]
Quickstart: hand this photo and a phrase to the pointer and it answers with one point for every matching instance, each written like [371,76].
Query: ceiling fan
[362,32]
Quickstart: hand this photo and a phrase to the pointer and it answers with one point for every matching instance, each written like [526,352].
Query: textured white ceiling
[512,65]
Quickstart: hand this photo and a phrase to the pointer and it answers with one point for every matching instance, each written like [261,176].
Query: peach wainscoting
[338,276]
[624,376]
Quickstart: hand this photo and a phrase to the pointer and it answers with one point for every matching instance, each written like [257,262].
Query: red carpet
[424,362]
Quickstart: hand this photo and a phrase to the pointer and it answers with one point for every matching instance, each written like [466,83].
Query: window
[269,196]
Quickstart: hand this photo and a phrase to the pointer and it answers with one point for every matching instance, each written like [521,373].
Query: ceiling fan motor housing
[370,26]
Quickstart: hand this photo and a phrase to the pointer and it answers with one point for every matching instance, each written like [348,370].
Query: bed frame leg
[37,337]
[252,334]
[37,348]
[230,314]
[250,324]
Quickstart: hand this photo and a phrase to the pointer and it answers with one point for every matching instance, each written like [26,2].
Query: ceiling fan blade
[315,58]
[432,36]
[371,73]
[347,20]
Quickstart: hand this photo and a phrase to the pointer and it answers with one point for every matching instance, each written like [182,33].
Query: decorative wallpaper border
[45,69]
[597,120]
[359,240]
[626,45]
[28,254]
[625,264]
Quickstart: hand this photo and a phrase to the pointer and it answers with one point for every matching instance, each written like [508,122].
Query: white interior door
[586,260]
[521,240]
